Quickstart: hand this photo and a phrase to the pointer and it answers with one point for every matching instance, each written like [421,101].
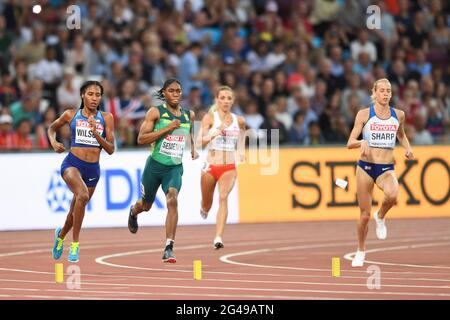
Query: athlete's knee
[365,216]
[223,197]
[391,197]
[82,197]
[172,200]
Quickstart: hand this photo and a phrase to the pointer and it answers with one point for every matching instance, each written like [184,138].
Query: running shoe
[381,227]
[74,250]
[218,243]
[58,247]
[203,213]
[132,221]
[168,254]
[358,259]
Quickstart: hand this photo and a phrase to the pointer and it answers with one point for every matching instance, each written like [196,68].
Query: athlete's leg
[69,220]
[81,194]
[208,184]
[226,183]
[140,206]
[364,189]
[389,184]
[172,213]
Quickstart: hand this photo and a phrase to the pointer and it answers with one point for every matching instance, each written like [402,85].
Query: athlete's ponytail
[212,108]
[86,85]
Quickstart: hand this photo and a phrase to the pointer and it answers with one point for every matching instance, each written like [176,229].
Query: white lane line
[174,294]
[102,259]
[239,274]
[285,290]
[349,256]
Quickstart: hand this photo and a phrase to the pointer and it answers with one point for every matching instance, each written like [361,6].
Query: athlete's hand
[175,124]
[241,157]
[58,147]
[92,124]
[409,154]
[194,154]
[364,148]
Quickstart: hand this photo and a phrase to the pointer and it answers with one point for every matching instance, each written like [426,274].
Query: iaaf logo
[59,195]
[383,127]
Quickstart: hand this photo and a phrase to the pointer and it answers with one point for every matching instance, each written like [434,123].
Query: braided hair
[159,94]
[86,85]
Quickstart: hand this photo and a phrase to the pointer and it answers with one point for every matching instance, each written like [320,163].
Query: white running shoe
[381,227]
[358,259]
[218,243]
[203,213]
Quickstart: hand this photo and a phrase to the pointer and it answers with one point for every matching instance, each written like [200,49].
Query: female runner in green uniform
[168,126]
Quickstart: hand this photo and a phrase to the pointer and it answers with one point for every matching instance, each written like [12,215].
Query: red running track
[279,261]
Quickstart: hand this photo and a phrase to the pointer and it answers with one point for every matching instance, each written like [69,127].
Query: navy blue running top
[82,136]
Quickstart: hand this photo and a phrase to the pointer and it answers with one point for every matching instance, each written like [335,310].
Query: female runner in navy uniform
[92,131]
[380,125]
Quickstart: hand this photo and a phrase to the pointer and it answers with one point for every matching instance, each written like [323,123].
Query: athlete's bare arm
[65,118]
[241,140]
[203,137]
[353,141]
[401,136]
[108,143]
[146,134]
[194,152]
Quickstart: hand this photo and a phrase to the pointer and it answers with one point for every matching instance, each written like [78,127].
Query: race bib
[173,146]
[227,142]
[84,134]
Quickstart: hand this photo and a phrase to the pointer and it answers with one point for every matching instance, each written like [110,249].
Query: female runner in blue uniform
[92,131]
[380,125]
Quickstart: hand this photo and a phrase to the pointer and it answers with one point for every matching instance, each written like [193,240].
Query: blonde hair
[221,88]
[374,88]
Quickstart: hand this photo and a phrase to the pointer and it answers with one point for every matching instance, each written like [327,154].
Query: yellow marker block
[59,273]
[336,267]
[198,269]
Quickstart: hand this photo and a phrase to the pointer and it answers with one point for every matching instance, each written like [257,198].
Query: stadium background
[302,67]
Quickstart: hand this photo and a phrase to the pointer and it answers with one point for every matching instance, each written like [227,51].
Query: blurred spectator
[439,41]
[421,136]
[27,108]
[42,139]
[420,65]
[49,70]
[253,119]
[363,44]
[20,80]
[6,132]
[6,39]
[417,33]
[34,51]
[8,92]
[67,95]
[297,133]
[282,115]
[271,123]
[22,138]
[189,68]
[314,136]
[351,17]
[79,57]
[323,13]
